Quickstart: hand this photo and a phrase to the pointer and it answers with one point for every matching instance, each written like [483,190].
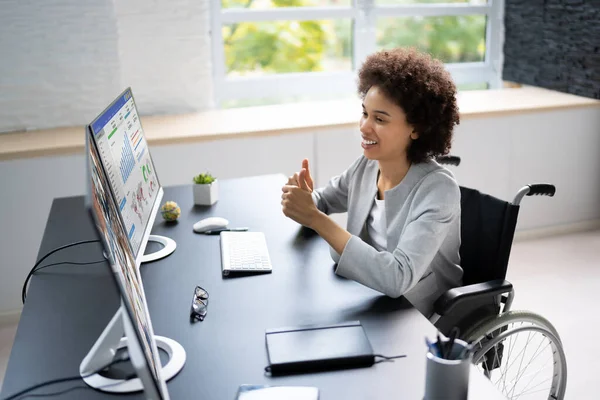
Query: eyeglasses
[199,304]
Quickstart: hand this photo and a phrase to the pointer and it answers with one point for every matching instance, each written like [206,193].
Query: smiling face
[386,134]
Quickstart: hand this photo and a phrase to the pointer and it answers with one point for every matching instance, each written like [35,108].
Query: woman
[403,233]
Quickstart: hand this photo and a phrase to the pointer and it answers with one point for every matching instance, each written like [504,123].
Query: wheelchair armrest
[470,295]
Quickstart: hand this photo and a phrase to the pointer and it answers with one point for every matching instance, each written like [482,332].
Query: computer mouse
[210,223]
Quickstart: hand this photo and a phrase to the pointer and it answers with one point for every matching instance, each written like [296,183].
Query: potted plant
[206,189]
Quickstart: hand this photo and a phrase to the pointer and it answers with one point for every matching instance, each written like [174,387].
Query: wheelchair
[519,351]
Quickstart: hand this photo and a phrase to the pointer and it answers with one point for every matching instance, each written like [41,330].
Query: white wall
[499,155]
[63,61]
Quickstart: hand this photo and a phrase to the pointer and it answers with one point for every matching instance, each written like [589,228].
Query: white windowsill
[277,120]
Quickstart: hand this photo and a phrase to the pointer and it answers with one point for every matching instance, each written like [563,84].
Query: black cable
[22,392]
[385,358]
[69,263]
[60,380]
[33,270]
[75,388]
[55,393]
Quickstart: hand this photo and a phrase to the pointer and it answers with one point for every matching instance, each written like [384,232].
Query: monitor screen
[125,155]
[113,235]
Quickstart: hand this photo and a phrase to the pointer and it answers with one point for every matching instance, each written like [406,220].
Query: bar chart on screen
[127,163]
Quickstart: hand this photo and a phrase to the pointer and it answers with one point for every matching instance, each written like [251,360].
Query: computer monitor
[119,137]
[132,318]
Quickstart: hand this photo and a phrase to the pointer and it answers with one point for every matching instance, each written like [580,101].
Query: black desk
[68,306]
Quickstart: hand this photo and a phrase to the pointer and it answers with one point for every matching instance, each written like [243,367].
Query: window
[273,50]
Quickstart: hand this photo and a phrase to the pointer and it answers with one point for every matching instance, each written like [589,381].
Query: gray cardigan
[423,231]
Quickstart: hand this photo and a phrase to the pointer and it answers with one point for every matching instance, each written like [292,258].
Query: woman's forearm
[335,235]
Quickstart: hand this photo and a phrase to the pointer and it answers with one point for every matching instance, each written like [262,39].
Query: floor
[557,277]
[7,335]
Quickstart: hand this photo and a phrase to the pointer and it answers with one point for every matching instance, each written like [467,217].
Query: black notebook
[318,348]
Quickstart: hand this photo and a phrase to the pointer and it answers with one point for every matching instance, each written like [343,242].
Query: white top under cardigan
[376,225]
[422,215]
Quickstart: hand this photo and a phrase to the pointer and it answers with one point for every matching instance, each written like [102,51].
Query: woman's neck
[391,174]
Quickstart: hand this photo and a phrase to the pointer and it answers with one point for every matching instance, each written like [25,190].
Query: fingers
[302,179]
[293,180]
[288,188]
[297,203]
[289,210]
[286,205]
[287,199]
[308,179]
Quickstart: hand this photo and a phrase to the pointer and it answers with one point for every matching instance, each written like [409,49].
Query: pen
[450,345]
[440,346]
[217,231]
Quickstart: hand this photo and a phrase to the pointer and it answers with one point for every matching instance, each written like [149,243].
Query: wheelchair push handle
[449,160]
[541,189]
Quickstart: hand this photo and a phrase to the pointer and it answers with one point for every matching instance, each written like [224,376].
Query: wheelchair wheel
[521,353]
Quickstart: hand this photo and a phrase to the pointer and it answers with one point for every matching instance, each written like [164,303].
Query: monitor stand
[169,246]
[105,348]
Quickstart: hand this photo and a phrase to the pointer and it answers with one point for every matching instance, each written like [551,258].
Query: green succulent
[204,179]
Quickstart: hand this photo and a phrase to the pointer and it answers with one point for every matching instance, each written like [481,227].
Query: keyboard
[244,252]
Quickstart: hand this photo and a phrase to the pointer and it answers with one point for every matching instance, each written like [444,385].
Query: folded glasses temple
[201,292]
[197,316]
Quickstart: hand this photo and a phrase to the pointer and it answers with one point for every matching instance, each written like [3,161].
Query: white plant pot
[206,195]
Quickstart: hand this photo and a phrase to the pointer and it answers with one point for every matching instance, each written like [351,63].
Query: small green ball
[170,211]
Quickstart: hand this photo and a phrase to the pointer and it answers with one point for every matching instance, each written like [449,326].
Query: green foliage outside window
[306,46]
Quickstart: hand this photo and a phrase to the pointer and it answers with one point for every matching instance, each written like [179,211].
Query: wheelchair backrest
[487,231]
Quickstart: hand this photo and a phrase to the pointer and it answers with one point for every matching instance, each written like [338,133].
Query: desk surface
[68,306]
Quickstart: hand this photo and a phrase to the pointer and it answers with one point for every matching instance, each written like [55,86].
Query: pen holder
[448,378]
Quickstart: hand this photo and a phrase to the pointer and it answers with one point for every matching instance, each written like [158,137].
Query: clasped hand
[296,200]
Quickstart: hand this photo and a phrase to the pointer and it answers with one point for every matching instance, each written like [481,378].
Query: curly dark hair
[425,91]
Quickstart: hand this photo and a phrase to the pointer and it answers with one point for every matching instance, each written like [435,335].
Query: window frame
[365,14]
